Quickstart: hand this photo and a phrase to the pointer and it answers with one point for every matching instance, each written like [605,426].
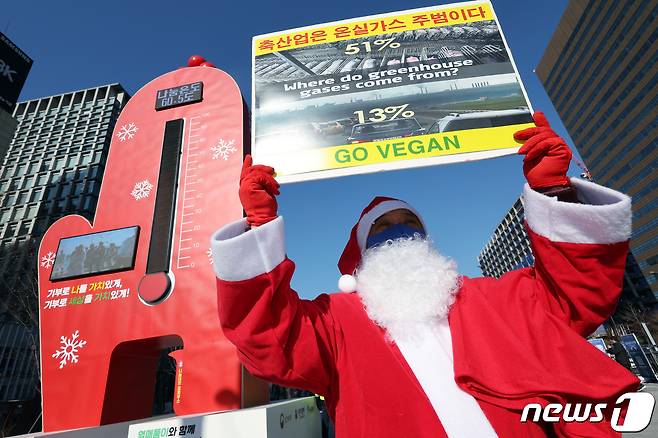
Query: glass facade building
[509,246]
[53,167]
[600,71]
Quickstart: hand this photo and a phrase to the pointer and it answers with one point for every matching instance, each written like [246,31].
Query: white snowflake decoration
[223,149]
[142,190]
[68,350]
[127,132]
[48,260]
[209,254]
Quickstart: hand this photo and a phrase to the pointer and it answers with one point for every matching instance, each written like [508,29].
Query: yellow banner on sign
[376,26]
[398,149]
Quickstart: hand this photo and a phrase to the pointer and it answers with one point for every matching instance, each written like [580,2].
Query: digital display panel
[177,96]
[96,253]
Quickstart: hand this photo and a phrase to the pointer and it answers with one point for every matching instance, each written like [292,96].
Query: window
[24,228]
[9,200]
[89,203]
[68,176]
[28,182]
[94,172]
[93,187]
[66,190]
[8,171]
[78,188]
[32,211]
[22,198]
[51,193]
[19,213]
[11,230]
[42,179]
[36,195]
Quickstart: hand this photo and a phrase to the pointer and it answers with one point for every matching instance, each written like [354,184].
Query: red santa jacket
[516,340]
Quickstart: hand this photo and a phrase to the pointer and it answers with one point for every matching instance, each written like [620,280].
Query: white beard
[407,284]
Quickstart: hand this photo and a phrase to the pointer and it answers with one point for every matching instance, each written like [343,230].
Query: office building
[600,70]
[509,246]
[53,168]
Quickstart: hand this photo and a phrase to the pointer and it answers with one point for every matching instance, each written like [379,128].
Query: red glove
[258,189]
[547,155]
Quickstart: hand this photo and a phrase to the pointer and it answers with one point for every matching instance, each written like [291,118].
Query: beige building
[600,70]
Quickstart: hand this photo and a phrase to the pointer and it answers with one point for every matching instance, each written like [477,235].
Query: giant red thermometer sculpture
[139,279]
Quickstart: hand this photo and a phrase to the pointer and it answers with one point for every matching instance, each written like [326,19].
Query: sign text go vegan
[430,147]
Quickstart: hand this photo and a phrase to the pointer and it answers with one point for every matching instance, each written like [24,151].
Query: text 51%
[354,48]
[388,113]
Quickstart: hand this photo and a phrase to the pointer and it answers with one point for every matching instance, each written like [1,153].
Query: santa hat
[356,245]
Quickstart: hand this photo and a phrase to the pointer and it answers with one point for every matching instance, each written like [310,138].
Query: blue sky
[83,44]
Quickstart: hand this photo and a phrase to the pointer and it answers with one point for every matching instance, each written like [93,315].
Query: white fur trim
[365,223]
[605,216]
[347,283]
[241,254]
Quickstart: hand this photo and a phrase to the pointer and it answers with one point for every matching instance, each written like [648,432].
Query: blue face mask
[393,232]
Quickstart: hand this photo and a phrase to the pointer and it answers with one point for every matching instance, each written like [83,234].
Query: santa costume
[469,371]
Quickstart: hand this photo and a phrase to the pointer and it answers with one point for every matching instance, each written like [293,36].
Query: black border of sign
[178,104]
[127,268]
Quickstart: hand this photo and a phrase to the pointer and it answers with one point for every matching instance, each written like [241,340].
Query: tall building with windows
[509,246]
[600,70]
[53,168]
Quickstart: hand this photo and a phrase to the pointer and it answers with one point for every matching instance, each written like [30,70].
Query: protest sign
[413,88]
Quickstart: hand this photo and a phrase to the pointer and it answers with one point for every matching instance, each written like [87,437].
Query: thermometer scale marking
[186,241]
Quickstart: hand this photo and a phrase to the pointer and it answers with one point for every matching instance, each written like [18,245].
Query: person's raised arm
[279,336]
[578,230]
